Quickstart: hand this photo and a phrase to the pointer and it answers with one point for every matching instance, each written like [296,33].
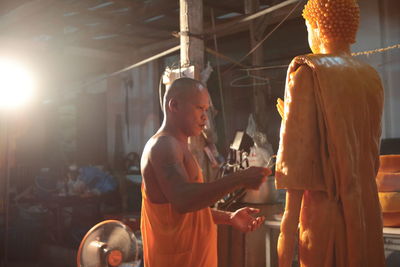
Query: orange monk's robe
[171,239]
[329,148]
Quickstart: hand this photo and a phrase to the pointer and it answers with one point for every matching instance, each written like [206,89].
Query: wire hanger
[249,80]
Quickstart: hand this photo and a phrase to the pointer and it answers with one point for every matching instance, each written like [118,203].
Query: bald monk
[178,227]
[329,148]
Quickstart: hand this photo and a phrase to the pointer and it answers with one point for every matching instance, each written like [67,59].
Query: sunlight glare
[16,84]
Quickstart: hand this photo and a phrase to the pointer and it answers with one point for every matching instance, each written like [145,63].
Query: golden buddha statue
[329,147]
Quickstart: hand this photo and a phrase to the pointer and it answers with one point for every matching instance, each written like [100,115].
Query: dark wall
[91,129]
[285,43]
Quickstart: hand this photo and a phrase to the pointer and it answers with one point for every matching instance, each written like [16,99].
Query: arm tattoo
[171,169]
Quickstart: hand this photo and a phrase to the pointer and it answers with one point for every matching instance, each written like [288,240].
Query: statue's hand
[280,107]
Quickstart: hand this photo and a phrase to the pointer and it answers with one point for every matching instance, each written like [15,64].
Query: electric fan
[109,244]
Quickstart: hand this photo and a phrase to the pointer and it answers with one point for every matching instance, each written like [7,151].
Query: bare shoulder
[160,154]
[163,148]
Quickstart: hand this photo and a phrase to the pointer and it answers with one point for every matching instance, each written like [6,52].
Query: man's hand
[253,177]
[244,221]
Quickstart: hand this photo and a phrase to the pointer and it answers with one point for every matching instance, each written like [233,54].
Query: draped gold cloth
[329,147]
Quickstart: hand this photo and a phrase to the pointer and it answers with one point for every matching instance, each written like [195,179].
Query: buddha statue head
[331,24]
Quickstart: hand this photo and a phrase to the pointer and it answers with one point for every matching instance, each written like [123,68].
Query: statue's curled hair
[336,19]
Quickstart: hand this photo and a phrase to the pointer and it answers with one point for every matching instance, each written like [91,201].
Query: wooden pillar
[192,54]
[191,24]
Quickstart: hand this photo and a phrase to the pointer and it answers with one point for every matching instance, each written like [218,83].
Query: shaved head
[185,107]
[181,89]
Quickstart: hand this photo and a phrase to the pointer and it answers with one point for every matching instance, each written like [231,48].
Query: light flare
[16,84]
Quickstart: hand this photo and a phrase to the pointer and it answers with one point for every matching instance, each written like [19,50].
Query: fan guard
[108,244]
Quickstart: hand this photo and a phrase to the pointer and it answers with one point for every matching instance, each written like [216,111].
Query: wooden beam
[192,54]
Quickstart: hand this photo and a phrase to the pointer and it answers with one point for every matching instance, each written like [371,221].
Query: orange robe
[171,239]
[329,148]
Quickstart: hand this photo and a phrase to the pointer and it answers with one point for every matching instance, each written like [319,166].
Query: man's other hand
[243,220]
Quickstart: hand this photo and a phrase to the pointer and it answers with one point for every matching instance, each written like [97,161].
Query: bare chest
[192,167]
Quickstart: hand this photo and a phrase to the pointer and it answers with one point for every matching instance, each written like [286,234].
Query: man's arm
[241,219]
[290,222]
[167,157]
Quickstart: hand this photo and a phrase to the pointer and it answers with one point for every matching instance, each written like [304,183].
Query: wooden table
[57,204]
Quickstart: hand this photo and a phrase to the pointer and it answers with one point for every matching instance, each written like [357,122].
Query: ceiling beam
[121,24]
[15,45]
[33,12]
[147,60]
[156,8]
[129,35]
[94,53]
[248,18]
[115,26]
[136,13]
[272,19]
[221,6]
[275,16]
[21,13]
[156,47]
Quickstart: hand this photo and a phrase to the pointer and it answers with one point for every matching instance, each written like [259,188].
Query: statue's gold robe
[329,148]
